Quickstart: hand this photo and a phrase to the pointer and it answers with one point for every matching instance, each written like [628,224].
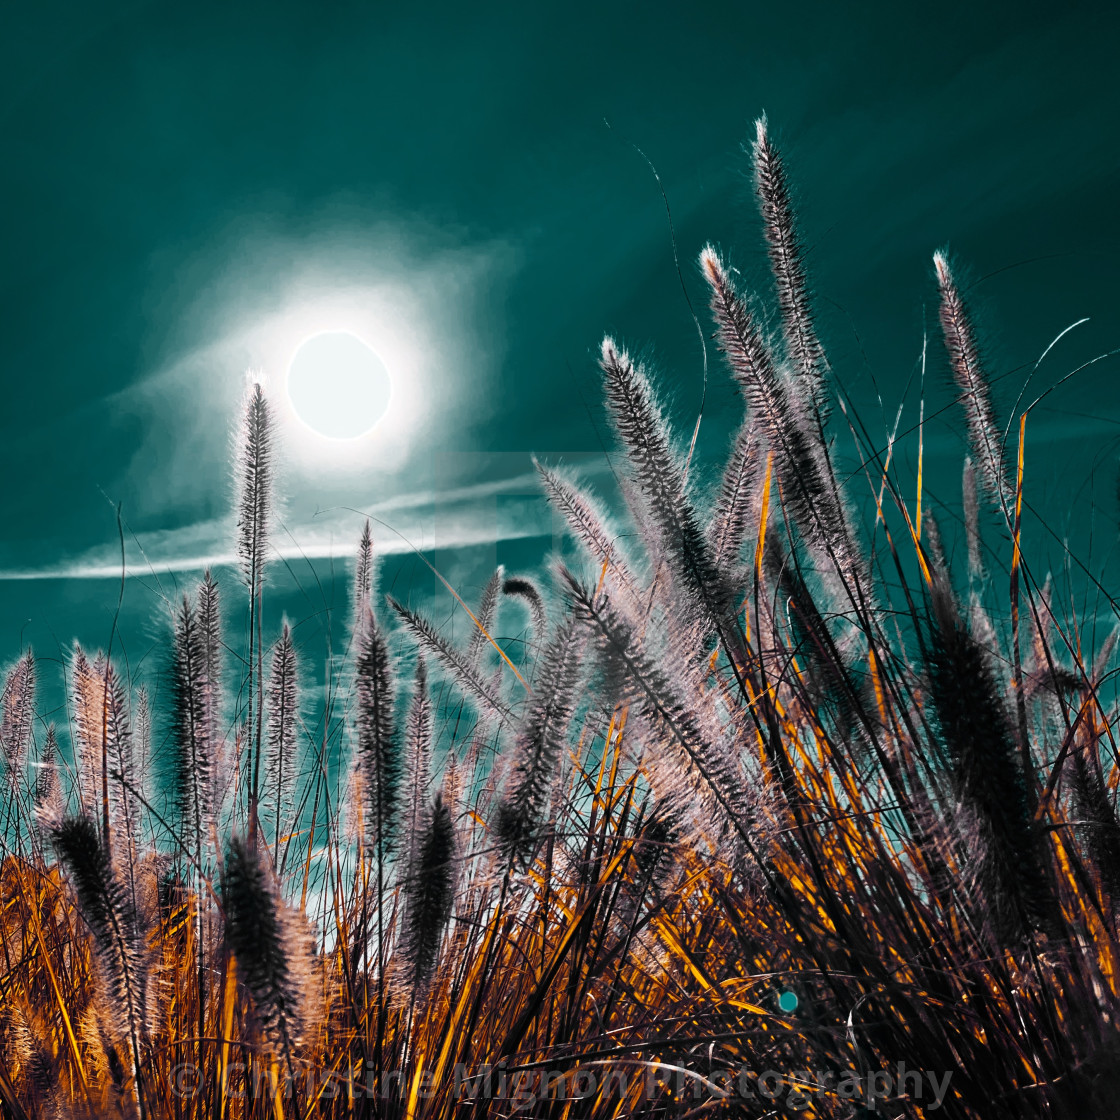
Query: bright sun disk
[338,385]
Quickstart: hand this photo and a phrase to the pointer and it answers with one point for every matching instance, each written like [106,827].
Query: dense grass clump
[778,815]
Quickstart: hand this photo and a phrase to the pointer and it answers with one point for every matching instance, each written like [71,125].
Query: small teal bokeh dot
[787,1001]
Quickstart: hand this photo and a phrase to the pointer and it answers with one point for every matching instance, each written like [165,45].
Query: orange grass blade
[229,998]
[921,448]
[75,1050]
[764,516]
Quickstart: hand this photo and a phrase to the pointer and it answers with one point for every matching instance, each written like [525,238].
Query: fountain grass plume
[123,800]
[1096,817]
[540,743]
[587,522]
[738,508]
[487,616]
[87,698]
[142,736]
[282,699]
[639,677]
[210,624]
[352,807]
[117,938]
[254,477]
[971,506]
[269,945]
[786,261]
[976,728]
[254,487]
[365,572]
[430,895]
[591,528]
[833,686]
[17,1043]
[518,587]
[417,767]
[972,381]
[50,798]
[17,714]
[190,729]
[378,751]
[659,478]
[464,672]
[808,491]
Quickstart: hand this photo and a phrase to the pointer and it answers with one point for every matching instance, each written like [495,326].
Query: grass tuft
[770,816]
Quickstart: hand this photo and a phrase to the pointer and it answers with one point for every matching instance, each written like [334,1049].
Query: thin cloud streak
[457,518]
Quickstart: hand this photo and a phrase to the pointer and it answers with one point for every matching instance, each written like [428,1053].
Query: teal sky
[187,188]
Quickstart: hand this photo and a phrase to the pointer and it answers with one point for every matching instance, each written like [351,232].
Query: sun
[338,385]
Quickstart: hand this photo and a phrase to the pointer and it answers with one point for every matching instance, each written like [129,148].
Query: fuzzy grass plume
[282,699]
[263,936]
[118,938]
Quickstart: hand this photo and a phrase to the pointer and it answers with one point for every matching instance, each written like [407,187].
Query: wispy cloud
[504,509]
